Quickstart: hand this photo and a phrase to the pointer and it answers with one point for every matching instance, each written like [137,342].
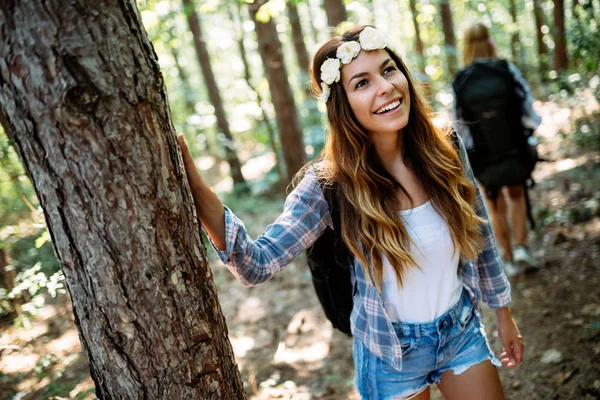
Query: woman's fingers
[185,152]
[518,346]
[192,173]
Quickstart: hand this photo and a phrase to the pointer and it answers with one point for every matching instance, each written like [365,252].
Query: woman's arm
[495,287]
[208,205]
[304,218]
[512,341]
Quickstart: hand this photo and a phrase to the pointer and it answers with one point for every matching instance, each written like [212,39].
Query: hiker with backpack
[394,200]
[495,118]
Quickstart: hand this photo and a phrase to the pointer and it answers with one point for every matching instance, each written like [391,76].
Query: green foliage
[582,35]
[16,192]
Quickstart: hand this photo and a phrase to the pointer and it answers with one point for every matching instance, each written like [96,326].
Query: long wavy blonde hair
[370,219]
[477,43]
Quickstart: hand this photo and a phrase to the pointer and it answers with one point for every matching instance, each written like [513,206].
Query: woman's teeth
[389,107]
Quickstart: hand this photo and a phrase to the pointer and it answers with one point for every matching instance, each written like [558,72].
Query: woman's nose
[384,86]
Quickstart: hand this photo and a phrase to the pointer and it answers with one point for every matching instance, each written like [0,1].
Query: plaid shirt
[305,217]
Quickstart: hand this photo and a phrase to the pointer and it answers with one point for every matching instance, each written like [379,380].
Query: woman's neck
[388,148]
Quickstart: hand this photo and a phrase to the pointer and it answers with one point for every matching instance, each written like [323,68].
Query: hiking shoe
[523,258]
[510,269]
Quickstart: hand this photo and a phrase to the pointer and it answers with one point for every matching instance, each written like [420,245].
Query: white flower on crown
[326,90]
[347,51]
[330,71]
[371,39]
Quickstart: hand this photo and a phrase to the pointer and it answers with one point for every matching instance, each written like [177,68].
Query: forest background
[221,99]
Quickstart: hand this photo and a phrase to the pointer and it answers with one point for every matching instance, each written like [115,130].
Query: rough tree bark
[213,91]
[288,124]
[83,98]
[449,39]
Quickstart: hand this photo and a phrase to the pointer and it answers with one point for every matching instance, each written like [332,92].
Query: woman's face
[377,92]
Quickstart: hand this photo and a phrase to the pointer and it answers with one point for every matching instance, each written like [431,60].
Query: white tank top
[429,290]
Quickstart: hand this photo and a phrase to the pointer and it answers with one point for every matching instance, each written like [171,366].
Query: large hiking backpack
[487,96]
[330,261]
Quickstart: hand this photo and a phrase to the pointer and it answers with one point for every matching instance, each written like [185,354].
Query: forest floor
[286,349]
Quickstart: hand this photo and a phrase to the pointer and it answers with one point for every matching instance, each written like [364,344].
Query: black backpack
[490,103]
[330,260]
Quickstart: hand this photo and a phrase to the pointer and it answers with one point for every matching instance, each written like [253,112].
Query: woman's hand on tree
[208,205]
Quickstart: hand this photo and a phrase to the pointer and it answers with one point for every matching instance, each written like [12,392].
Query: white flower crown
[369,39]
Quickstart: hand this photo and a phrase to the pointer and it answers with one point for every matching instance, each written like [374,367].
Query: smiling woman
[422,252]
[377,92]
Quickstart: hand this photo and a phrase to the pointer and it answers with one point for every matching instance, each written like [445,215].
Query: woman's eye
[361,84]
[389,70]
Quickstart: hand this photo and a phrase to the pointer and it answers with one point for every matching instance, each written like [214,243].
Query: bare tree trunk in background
[515,41]
[538,14]
[7,277]
[418,42]
[298,39]
[82,96]
[560,41]
[313,31]
[336,12]
[449,40]
[190,105]
[213,92]
[288,124]
[239,32]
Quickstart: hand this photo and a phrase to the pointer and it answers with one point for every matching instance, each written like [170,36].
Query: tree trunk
[82,96]
[298,39]
[515,42]
[538,13]
[190,105]
[449,40]
[560,48]
[336,12]
[418,42]
[259,100]
[313,31]
[288,125]
[213,92]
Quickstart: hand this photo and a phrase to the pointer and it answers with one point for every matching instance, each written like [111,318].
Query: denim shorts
[455,341]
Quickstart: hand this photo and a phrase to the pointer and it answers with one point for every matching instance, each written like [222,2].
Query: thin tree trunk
[213,91]
[298,38]
[288,124]
[449,39]
[82,96]
[190,105]
[336,12]
[515,41]
[560,48]
[259,99]
[418,42]
[313,30]
[538,14]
